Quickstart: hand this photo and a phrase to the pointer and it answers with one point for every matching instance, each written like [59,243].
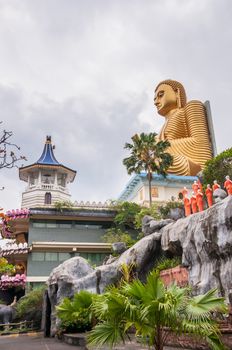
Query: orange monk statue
[209,195]
[184,192]
[228,185]
[185,128]
[200,185]
[200,202]
[215,185]
[193,201]
[187,206]
[195,187]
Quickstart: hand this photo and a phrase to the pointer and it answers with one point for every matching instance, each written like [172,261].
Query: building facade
[163,188]
[43,236]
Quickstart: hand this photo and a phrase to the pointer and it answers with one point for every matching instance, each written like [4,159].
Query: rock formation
[203,240]
[76,274]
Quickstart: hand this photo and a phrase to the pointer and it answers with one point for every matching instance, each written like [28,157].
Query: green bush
[165,263]
[114,235]
[165,208]
[218,167]
[30,306]
[5,267]
[75,314]
[127,212]
[60,205]
[153,211]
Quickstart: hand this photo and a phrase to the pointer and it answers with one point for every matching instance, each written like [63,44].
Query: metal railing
[19,326]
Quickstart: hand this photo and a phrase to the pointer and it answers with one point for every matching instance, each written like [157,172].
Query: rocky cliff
[203,240]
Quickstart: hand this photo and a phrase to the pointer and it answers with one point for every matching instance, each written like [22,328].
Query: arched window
[48,198]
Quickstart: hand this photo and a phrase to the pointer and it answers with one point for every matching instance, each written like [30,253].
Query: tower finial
[48,139]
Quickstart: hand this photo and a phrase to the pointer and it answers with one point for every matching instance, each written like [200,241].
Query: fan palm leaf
[154,311]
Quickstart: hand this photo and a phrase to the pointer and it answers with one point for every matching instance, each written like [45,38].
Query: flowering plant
[12,281]
[8,217]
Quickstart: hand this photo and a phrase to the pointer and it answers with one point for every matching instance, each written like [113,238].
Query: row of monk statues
[196,202]
[186,127]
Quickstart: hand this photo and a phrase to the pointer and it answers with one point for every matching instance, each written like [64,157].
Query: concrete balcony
[47,187]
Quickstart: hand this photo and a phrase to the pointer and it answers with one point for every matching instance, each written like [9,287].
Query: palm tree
[154,311]
[148,154]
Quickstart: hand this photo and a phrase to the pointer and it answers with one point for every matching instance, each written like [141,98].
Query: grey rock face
[149,225]
[61,283]
[205,240]
[119,247]
[176,213]
[219,195]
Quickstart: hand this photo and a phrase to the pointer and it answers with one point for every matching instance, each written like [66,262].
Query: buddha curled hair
[175,86]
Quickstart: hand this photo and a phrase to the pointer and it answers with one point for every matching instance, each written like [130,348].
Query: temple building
[46,179]
[44,236]
[163,188]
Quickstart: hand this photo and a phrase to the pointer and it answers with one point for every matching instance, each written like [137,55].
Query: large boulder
[150,225]
[76,274]
[61,284]
[219,195]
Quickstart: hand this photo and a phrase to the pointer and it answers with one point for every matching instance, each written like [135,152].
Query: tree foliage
[124,229]
[218,167]
[148,154]
[6,268]
[115,234]
[127,211]
[153,311]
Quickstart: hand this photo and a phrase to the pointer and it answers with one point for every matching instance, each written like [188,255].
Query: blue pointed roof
[46,160]
[47,157]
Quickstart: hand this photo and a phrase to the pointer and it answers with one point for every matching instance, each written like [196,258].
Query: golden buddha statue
[185,128]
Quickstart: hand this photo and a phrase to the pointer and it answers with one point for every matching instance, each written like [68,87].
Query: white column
[39,178]
[55,182]
[28,180]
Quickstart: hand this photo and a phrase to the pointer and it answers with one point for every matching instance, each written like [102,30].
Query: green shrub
[166,263]
[153,211]
[218,167]
[165,208]
[60,205]
[5,267]
[30,306]
[75,314]
[127,211]
[114,235]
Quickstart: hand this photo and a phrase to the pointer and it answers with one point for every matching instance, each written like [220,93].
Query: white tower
[46,179]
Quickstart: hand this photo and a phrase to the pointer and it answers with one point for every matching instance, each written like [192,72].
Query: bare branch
[8,158]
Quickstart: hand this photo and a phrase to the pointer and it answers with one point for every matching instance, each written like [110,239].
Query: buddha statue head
[169,95]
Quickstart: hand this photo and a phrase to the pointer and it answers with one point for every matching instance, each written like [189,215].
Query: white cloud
[85,72]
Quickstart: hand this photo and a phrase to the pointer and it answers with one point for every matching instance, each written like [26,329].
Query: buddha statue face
[166,99]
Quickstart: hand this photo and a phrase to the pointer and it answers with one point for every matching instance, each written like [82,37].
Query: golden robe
[187,132]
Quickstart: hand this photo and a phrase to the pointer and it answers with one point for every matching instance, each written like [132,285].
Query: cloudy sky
[84,72]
